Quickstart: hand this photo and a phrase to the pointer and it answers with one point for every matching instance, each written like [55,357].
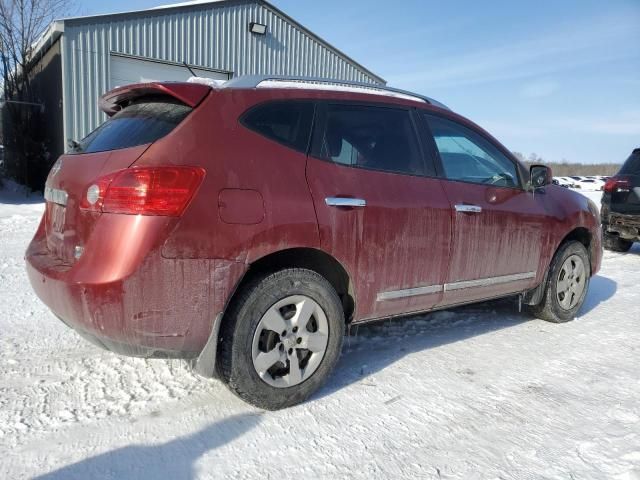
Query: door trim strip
[408,292]
[481,282]
[486,282]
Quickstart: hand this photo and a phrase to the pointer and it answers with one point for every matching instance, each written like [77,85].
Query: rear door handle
[345,202]
[468,208]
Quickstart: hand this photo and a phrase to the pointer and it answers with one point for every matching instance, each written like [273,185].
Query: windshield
[143,121]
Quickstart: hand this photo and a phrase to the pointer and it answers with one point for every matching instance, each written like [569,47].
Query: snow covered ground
[476,393]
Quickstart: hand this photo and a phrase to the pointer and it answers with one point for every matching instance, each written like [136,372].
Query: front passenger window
[469,157]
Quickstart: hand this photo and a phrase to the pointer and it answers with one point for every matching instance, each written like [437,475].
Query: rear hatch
[139,115]
[625,199]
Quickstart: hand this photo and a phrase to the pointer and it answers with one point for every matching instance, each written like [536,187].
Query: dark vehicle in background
[620,212]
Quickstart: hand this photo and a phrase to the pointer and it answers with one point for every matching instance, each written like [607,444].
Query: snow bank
[11,191]
[17,200]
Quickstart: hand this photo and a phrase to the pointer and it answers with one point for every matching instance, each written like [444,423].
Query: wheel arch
[300,257]
[312,259]
[578,234]
[582,235]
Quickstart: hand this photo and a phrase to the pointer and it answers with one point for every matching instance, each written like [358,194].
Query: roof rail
[254,81]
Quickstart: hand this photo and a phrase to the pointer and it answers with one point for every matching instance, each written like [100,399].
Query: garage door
[126,70]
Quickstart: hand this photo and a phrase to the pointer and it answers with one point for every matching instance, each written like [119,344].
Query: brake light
[617,184]
[144,191]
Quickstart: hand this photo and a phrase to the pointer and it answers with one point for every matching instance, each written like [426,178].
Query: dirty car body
[191,192]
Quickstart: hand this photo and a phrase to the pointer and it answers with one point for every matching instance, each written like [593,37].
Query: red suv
[243,225]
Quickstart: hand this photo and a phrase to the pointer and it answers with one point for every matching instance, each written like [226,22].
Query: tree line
[566,169]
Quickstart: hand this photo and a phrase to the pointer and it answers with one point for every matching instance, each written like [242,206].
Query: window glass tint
[632,165]
[371,137]
[469,157]
[287,122]
[144,121]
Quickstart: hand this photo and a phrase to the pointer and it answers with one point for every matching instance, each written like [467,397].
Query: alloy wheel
[290,341]
[571,282]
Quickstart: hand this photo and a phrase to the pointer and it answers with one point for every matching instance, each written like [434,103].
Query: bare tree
[21,24]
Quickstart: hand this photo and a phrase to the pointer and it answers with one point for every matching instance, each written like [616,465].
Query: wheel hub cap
[571,282]
[290,341]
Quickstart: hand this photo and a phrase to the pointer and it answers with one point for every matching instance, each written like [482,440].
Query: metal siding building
[212,37]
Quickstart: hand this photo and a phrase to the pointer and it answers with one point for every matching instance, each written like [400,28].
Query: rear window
[632,165]
[286,122]
[143,121]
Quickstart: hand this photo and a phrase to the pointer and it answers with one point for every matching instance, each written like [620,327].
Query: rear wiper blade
[74,146]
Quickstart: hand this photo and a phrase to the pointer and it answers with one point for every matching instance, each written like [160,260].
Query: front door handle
[345,202]
[468,208]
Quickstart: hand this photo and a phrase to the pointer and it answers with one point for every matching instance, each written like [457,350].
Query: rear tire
[615,243]
[272,369]
[566,284]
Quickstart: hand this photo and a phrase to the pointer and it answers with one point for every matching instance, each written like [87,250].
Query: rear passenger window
[376,138]
[286,122]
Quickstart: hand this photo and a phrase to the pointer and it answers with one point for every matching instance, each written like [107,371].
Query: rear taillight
[617,184]
[144,191]
[94,194]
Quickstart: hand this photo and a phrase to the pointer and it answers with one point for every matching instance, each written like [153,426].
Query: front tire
[615,243]
[281,338]
[566,284]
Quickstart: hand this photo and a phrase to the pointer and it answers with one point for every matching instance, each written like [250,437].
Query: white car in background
[593,184]
[563,182]
[570,181]
[577,179]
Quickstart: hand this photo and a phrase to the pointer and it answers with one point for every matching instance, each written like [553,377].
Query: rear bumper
[624,225]
[163,308]
[130,350]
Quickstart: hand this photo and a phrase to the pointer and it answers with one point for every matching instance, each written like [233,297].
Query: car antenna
[190,69]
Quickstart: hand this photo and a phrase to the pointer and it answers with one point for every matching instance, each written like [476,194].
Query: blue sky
[559,78]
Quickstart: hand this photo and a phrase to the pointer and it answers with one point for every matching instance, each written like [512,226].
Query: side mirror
[540,176]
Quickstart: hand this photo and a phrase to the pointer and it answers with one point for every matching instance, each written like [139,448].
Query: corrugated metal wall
[213,36]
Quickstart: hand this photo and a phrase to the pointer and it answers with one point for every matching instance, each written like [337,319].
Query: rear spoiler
[190,94]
